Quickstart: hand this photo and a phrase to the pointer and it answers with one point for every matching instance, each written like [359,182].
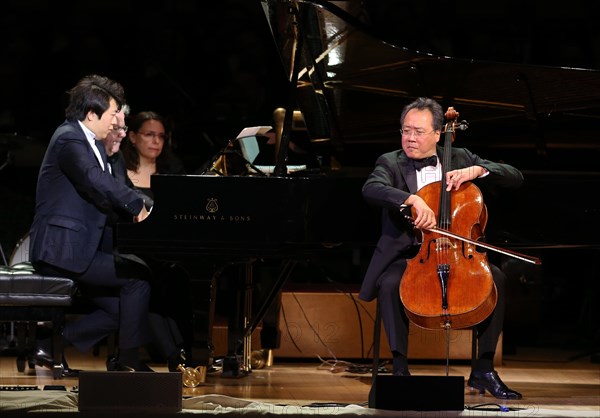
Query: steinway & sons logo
[212,206]
[213,213]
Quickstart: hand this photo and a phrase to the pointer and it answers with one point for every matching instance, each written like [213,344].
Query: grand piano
[350,84]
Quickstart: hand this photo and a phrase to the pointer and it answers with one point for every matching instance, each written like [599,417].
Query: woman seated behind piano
[146,151]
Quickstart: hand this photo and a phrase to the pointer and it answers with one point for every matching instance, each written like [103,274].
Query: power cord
[334,366]
[492,407]
[364,368]
[339,366]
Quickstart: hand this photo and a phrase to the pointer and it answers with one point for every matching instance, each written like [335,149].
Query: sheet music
[248,142]
[254,131]
[268,169]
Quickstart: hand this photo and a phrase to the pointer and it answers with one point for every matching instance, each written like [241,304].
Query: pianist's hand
[142,215]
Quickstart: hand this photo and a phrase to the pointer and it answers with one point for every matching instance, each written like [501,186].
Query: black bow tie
[425,162]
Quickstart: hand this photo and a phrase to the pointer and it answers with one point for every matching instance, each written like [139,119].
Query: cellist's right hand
[425,216]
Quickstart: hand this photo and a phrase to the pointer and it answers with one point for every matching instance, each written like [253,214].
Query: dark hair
[166,162]
[93,93]
[424,103]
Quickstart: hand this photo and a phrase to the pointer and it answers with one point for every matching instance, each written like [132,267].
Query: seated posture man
[393,185]
[71,235]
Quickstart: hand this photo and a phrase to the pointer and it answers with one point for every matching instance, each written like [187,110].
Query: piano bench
[27,298]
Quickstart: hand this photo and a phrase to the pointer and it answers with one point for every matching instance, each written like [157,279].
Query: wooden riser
[339,325]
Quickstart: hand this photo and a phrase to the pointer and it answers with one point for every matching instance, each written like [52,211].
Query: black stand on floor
[376,341]
[403,393]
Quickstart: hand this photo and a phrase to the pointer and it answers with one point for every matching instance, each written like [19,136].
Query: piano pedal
[270,357]
[259,359]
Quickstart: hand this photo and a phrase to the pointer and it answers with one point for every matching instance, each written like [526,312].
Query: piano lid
[351,87]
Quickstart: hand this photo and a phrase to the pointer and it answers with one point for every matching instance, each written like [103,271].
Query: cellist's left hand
[455,178]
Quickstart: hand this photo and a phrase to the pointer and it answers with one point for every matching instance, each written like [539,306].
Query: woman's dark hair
[166,162]
[93,93]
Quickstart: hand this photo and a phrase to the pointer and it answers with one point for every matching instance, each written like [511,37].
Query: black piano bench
[27,298]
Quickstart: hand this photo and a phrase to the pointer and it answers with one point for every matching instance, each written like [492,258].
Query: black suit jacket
[392,181]
[73,199]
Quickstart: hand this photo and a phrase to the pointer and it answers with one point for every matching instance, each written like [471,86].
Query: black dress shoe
[114,365]
[402,372]
[491,382]
[67,371]
[43,359]
[111,363]
[175,361]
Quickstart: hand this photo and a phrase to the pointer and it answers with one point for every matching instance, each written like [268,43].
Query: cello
[449,284]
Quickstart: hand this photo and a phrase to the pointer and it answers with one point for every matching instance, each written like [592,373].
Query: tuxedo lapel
[408,172]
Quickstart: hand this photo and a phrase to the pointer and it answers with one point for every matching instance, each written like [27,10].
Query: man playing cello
[393,185]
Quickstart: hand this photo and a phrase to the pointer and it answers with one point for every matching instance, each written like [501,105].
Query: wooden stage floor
[554,383]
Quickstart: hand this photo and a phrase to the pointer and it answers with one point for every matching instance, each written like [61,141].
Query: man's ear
[91,116]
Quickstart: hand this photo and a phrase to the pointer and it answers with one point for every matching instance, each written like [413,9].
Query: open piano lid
[352,86]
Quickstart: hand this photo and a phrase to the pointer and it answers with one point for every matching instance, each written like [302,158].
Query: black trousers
[121,294]
[395,321]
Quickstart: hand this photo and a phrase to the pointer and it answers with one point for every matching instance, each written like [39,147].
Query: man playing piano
[392,186]
[71,235]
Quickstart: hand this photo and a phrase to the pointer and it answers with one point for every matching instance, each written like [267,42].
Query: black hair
[423,103]
[93,93]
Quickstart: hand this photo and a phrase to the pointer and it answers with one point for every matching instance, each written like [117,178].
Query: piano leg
[242,320]
[203,293]
[247,338]
[239,344]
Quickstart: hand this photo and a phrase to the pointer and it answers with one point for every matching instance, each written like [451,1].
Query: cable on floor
[492,407]
[339,366]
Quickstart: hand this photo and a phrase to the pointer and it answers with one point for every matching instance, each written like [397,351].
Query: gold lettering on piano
[212,207]
[239,218]
[211,218]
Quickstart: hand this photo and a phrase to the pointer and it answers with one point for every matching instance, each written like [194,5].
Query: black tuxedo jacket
[73,199]
[392,181]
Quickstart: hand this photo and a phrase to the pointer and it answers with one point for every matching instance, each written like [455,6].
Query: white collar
[91,138]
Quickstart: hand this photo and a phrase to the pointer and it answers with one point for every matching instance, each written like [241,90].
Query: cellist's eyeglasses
[418,133]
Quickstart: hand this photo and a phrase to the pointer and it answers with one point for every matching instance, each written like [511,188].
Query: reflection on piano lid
[351,87]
